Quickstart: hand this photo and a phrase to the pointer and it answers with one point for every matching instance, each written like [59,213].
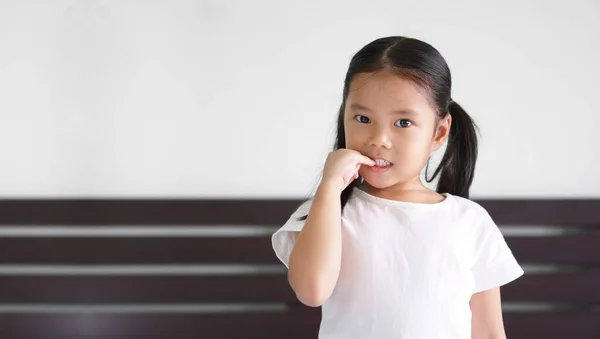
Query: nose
[379,137]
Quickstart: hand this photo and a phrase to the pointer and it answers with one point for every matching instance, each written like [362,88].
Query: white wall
[217,98]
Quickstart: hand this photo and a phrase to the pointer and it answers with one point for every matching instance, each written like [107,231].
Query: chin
[377,181]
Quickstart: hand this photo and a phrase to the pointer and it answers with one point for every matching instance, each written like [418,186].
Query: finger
[365,160]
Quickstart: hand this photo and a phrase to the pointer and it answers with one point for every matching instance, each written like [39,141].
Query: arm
[316,258]
[487,320]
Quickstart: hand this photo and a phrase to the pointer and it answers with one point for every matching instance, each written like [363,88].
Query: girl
[382,254]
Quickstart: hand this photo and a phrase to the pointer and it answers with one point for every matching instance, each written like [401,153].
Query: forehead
[386,91]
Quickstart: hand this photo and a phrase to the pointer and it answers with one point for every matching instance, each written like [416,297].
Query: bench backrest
[205,269]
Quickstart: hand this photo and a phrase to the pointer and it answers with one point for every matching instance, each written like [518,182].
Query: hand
[342,165]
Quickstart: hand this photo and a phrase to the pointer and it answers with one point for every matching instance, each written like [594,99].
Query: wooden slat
[560,212]
[568,249]
[574,249]
[553,325]
[300,324]
[145,289]
[107,250]
[148,212]
[566,288]
[256,211]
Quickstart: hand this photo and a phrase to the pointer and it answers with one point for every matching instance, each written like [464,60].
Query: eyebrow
[360,107]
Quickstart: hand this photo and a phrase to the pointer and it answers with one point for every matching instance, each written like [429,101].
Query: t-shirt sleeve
[284,238]
[495,264]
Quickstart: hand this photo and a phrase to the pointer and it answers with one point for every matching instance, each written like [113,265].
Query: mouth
[381,165]
[380,162]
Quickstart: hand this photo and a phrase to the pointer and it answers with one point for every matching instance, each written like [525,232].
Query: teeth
[382,162]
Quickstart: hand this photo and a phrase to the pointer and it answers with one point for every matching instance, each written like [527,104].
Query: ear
[442,132]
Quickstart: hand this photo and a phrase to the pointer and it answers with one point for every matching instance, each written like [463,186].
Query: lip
[379,169]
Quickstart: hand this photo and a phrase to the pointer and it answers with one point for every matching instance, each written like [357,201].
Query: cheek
[420,139]
[412,147]
[354,139]
[408,140]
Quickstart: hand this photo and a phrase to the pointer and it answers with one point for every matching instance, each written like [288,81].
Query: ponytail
[458,163]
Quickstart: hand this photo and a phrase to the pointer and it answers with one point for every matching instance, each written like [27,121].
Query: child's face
[390,118]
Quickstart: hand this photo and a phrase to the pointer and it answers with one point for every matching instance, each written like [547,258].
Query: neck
[410,191]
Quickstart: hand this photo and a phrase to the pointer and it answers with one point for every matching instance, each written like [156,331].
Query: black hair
[421,63]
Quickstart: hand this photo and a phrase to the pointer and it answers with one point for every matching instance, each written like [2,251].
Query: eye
[362,118]
[403,123]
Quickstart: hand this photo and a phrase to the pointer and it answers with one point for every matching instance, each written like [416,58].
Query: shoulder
[474,219]
[469,209]
[284,238]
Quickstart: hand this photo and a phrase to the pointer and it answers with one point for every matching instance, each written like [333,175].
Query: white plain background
[238,98]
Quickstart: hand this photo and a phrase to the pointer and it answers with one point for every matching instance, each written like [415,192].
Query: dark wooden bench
[217,276]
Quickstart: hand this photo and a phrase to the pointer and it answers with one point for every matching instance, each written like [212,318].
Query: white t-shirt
[408,269]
